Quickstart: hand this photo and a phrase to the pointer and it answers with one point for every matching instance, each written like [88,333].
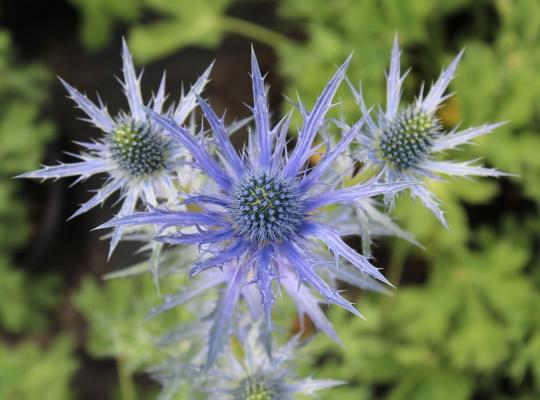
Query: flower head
[140,161]
[256,376]
[261,221]
[402,142]
[266,208]
[244,371]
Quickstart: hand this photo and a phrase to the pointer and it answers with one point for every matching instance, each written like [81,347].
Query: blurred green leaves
[177,24]
[22,137]
[506,73]
[180,23]
[100,16]
[184,23]
[445,339]
[27,301]
[19,82]
[116,315]
[337,28]
[29,371]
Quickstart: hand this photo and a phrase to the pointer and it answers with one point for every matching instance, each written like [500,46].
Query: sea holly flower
[256,376]
[140,162]
[403,141]
[261,220]
[245,371]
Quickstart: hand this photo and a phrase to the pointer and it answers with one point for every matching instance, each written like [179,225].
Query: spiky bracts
[402,144]
[262,220]
[141,164]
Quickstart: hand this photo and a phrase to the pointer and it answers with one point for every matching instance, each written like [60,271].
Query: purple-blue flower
[260,377]
[139,160]
[261,220]
[402,142]
[248,374]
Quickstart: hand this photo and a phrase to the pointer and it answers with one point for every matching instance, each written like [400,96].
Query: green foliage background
[25,367]
[464,321]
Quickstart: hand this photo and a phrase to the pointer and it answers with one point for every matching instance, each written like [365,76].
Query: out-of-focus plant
[22,136]
[179,23]
[22,139]
[119,316]
[450,338]
[505,70]
[100,16]
[27,301]
[28,371]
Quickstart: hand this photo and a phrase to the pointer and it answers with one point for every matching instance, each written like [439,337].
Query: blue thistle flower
[256,376]
[402,142]
[244,371]
[140,161]
[262,221]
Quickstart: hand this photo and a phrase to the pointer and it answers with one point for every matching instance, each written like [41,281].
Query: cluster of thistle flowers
[250,223]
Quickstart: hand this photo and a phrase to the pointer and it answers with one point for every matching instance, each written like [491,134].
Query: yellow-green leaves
[29,372]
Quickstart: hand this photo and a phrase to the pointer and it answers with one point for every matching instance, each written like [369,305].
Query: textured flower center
[257,388]
[265,209]
[407,140]
[138,149]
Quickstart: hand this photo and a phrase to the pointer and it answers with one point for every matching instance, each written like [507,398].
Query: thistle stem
[397,262]
[127,386]
[253,31]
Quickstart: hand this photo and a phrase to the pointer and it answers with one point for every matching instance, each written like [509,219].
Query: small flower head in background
[140,161]
[244,371]
[256,376]
[261,222]
[402,142]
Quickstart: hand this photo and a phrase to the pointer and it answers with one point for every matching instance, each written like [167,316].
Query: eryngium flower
[243,373]
[258,377]
[139,160]
[262,219]
[403,141]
